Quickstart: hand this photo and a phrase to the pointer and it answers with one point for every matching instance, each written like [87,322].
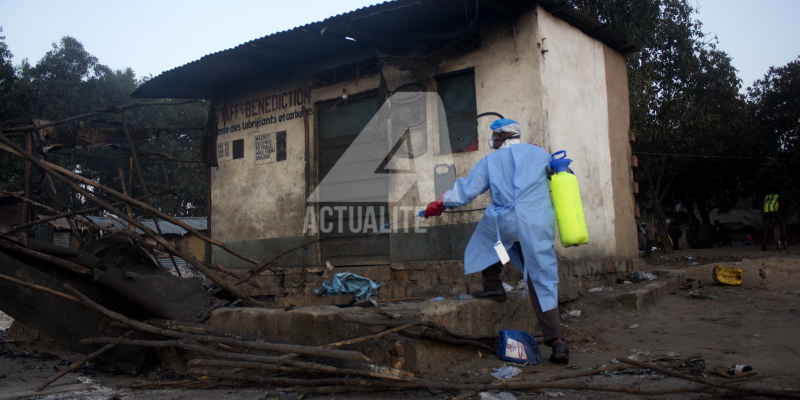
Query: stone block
[318,325]
[445,273]
[634,299]
[399,275]
[429,275]
[669,282]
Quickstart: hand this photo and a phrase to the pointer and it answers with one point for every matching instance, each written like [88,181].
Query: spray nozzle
[560,164]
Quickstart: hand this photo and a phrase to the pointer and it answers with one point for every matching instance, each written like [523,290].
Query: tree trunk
[661,218]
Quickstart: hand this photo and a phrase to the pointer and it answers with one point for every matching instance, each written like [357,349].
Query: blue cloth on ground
[350,283]
[521,208]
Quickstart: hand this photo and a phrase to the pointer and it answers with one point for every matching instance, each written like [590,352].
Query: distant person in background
[691,236]
[771,210]
[674,234]
[642,236]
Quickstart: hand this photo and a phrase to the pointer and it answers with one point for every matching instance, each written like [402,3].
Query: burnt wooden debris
[113,302]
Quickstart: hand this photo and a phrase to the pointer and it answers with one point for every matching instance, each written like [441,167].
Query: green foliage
[775,122]
[684,99]
[11,167]
[69,81]
[698,137]
[7,79]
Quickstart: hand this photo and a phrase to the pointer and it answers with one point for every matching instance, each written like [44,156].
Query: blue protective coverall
[521,208]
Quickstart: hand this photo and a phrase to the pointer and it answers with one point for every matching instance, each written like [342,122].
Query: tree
[684,102]
[13,175]
[716,129]
[7,78]
[69,81]
[658,78]
[775,124]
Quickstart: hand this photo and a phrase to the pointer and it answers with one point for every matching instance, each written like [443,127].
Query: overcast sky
[154,36]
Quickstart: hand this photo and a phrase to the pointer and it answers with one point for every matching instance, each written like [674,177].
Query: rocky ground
[754,324]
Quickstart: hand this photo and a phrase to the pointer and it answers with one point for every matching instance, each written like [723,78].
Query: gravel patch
[5,321]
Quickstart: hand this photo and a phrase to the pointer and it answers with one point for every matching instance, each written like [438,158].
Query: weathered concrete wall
[253,201]
[619,122]
[444,278]
[506,81]
[320,325]
[575,105]
[574,97]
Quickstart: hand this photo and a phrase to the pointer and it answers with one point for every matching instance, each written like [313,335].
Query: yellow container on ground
[727,276]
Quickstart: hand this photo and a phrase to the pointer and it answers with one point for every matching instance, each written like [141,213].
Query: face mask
[502,142]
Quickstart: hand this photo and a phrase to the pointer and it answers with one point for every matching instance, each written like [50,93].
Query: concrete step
[320,325]
[668,282]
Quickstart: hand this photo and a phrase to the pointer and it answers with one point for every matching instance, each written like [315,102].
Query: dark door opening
[352,237]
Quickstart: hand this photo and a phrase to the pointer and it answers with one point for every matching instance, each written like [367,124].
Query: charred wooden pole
[99,111]
[47,258]
[42,288]
[66,214]
[144,206]
[266,264]
[160,240]
[281,348]
[207,245]
[210,161]
[80,362]
[16,150]
[142,182]
[26,210]
[307,171]
[126,191]
[741,389]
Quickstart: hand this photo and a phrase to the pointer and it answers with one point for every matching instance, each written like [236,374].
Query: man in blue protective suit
[516,174]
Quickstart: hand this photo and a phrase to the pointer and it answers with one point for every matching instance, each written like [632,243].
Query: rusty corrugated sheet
[392,23]
[10,211]
[87,134]
[168,228]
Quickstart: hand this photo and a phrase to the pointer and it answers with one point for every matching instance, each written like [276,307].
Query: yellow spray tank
[567,202]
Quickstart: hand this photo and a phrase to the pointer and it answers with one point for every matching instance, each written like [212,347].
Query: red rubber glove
[436,208]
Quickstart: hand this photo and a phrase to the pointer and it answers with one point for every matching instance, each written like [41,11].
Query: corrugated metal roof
[107,222]
[383,25]
[60,224]
[10,211]
[168,228]
[61,239]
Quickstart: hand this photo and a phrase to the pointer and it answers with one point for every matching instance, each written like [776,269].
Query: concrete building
[290,104]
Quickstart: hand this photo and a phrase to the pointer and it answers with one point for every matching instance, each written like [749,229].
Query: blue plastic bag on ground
[350,283]
[519,347]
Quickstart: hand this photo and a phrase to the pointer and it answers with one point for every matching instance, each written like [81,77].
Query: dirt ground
[754,324]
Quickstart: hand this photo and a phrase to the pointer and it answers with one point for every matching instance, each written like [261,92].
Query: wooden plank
[52,390]
[634,161]
[636,212]
[635,187]
[631,136]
